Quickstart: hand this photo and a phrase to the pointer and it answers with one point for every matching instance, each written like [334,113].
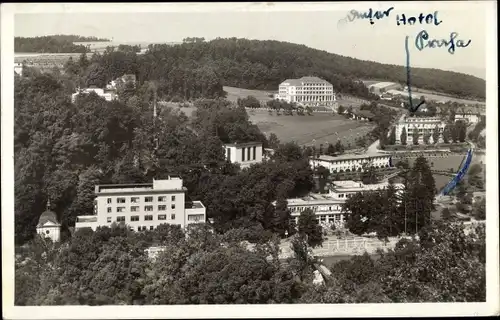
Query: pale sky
[381,42]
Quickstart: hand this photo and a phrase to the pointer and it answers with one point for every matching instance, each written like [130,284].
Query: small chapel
[48,226]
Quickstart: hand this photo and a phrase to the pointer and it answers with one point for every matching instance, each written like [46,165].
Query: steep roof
[46,217]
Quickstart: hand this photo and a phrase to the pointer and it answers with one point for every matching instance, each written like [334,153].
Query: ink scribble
[354,14]
[408,80]
[422,41]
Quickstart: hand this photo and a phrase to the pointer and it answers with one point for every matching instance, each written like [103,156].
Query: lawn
[319,128]
[234,93]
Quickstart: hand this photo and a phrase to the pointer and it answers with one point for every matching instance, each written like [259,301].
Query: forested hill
[52,44]
[256,64]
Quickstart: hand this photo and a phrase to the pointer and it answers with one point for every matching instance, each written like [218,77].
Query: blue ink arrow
[408,80]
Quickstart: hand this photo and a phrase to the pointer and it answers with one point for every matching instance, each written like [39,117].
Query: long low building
[351,162]
[328,207]
[107,95]
[143,206]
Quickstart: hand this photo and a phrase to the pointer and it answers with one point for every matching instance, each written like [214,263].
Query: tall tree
[404,136]
[415,136]
[435,135]
[308,226]
[447,133]
[392,136]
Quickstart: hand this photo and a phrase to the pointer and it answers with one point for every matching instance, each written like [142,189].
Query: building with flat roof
[143,206]
[245,154]
[352,162]
[308,91]
[424,125]
[328,207]
[108,95]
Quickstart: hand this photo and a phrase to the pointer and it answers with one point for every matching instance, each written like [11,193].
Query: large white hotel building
[328,207]
[307,91]
[424,125]
[352,162]
[143,206]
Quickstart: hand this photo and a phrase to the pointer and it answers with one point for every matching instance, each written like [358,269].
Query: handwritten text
[370,14]
[422,41]
[431,18]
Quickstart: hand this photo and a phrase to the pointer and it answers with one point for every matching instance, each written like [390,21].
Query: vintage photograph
[251,153]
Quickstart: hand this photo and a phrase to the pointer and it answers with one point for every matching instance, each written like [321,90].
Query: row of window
[315,209]
[161,217]
[137,199]
[334,217]
[249,154]
[136,208]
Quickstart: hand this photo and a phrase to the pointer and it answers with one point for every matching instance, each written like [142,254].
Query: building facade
[328,207]
[109,96]
[245,154]
[143,206]
[48,226]
[468,117]
[424,125]
[353,162]
[310,91]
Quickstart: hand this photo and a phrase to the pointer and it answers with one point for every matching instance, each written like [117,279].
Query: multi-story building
[143,206]
[245,154]
[109,96]
[352,162]
[328,207]
[311,91]
[424,125]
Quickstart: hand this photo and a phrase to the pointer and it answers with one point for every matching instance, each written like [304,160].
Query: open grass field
[234,93]
[319,128]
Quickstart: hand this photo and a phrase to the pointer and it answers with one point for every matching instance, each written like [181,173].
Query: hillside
[52,44]
[256,64]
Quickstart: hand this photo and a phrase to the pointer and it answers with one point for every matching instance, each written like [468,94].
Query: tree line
[63,149]
[53,44]
[256,64]
[111,267]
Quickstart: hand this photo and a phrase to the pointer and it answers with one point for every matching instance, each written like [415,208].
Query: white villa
[245,154]
[143,206]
